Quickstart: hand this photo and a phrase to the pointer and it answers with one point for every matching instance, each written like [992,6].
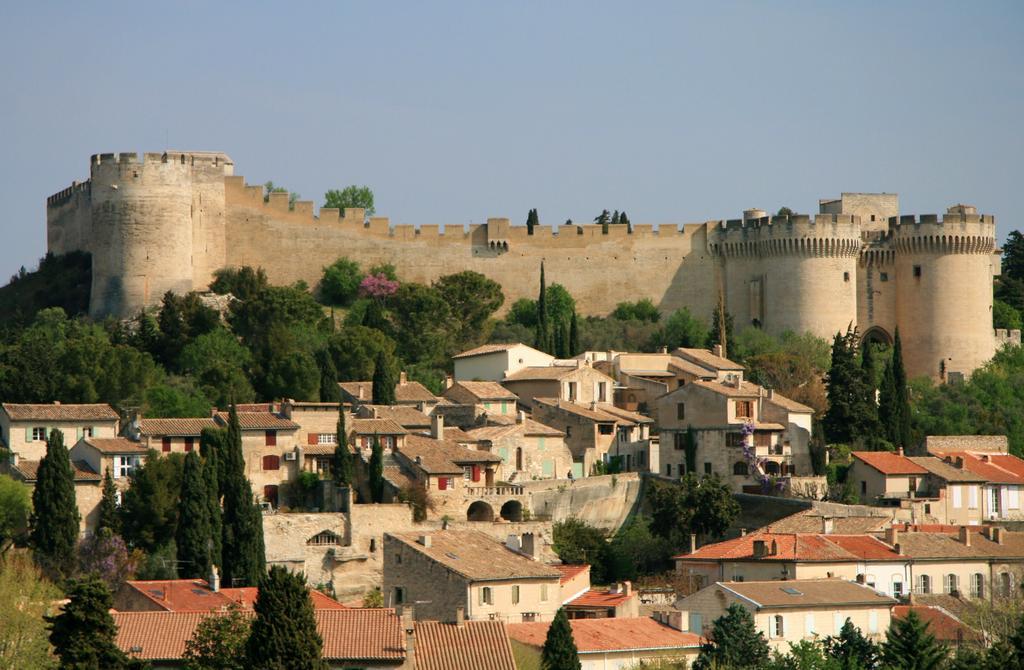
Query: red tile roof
[28,471]
[941,623]
[995,468]
[796,547]
[615,634]
[259,421]
[115,445]
[348,634]
[600,598]
[570,571]
[187,427]
[60,412]
[195,595]
[480,645]
[889,463]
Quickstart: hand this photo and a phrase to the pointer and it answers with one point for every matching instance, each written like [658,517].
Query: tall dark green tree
[149,511]
[558,339]
[542,333]
[242,544]
[603,219]
[850,414]
[383,381]
[910,646]
[55,514]
[851,649]
[328,377]
[1013,256]
[894,399]
[342,464]
[532,221]
[211,474]
[83,635]
[109,517]
[377,471]
[212,447]
[574,336]
[624,221]
[559,651]
[284,631]
[194,536]
[734,642]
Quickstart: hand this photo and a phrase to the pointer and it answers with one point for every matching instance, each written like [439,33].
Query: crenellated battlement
[191,158]
[953,233]
[787,235]
[61,197]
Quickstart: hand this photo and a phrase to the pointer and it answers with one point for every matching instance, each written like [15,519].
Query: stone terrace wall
[605,501]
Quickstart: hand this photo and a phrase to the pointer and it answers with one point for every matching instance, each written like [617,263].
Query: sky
[456,112]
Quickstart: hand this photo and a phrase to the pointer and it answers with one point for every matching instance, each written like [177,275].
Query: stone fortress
[167,221]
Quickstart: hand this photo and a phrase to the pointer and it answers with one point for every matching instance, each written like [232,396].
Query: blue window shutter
[28,434]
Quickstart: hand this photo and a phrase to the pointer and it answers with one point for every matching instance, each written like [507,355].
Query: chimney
[759,549]
[521,416]
[460,616]
[214,580]
[775,548]
[985,458]
[717,350]
[362,388]
[593,404]
[448,381]
[664,350]
[743,532]
[402,378]
[425,541]
[959,463]
[627,587]
[826,525]
[693,543]
[899,451]
[57,403]
[898,548]
[437,426]
[965,536]
[531,546]
[998,535]
[892,535]
[771,393]
[676,619]
[512,542]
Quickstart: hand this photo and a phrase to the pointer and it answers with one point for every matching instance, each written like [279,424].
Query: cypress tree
[734,642]
[193,535]
[615,218]
[211,448]
[242,546]
[574,336]
[532,221]
[558,338]
[909,645]
[109,517]
[211,474]
[849,414]
[542,336]
[341,466]
[383,381]
[566,339]
[377,471]
[624,220]
[284,631]
[83,634]
[559,651]
[901,419]
[328,378]
[55,514]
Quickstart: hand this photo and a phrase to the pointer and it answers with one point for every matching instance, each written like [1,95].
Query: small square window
[707,468]
[846,276]
[680,411]
[917,270]
[883,276]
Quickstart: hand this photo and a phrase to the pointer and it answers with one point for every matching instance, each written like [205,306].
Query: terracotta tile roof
[254,407]
[358,390]
[706,359]
[600,598]
[889,463]
[584,411]
[487,349]
[604,635]
[115,445]
[796,547]
[941,623]
[809,521]
[797,593]
[377,427]
[28,471]
[398,477]
[456,434]
[246,597]
[541,373]
[944,470]
[624,414]
[413,392]
[60,412]
[788,404]
[744,390]
[473,392]
[677,364]
[191,426]
[442,457]
[348,634]
[570,571]
[475,556]
[259,421]
[195,595]
[995,468]
[403,415]
[529,427]
[480,645]
[925,545]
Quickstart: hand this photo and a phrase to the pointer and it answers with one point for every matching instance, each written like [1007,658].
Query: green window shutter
[79,432]
[28,434]
[540,443]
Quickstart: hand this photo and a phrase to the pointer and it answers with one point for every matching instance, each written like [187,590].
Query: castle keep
[168,220]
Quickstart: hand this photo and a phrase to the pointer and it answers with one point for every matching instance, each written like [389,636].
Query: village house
[792,611]
[618,600]
[268,448]
[947,628]
[480,645]
[169,435]
[118,454]
[409,418]
[88,487]
[575,383]
[986,456]
[25,428]
[528,449]
[613,642]
[596,433]
[489,400]
[492,362]
[196,595]
[754,438]
[407,393]
[445,572]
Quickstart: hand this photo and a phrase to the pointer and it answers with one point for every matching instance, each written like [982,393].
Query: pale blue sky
[453,112]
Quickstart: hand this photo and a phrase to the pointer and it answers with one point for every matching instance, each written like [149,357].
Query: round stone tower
[944,291]
[157,225]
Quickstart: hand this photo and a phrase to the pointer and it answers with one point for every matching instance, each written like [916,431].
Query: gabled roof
[947,546]
[941,623]
[348,634]
[480,645]
[598,636]
[570,571]
[743,390]
[488,349]
[945,470]
[114,445]
[187,427]
[889,463]
[788,404]
[28,471]
[600,598]
[993,467]
[259,421]
[811,521]
[358,390]
[475,556]
[706,359]
[195,595]
[584,411]
[404,415]
[624,414]
[412,391]
[377,427]
[796,547]
[528,427]
[442,457]
[60,412]
[541,373]
[473,392]
[799,593]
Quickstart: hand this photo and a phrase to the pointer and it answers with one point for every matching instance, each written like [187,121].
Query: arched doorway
[480,511]
[877,335]
[772,468]
[512,511]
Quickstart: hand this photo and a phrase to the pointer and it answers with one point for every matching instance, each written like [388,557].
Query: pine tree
[109,517]
[55,514]
[193,535]
[850,415]
[242,547]
[734,642]
[377,471]
[615,218]
[342,464]
[83,634]
[329,391]
[603,219]
[383,381]
[909,645]
[851,649]
[559,651]
[574,336]
[542,335]
[284,631]
[624,221]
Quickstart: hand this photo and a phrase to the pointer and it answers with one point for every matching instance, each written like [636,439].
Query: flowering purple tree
[107,556]
[377,286]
